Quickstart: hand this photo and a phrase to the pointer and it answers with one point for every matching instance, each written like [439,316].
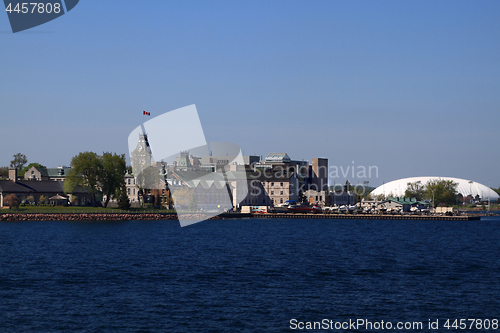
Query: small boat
[283,207]
[331,209]
[299,208]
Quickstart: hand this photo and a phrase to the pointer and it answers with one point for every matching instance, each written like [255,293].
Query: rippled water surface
[247,275]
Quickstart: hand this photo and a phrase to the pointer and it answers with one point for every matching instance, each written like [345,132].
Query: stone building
[48,174]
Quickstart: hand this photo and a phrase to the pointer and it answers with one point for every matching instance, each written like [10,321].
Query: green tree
[497,190]
[86,172]
[111,178]
[4,172]
[415,190]
[123,200]
[42,199]
[19,161]
[442,191]
[36,165]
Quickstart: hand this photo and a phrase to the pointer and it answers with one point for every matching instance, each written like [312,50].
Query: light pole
[489,194]
[433,206]
[470,188]
[366,182]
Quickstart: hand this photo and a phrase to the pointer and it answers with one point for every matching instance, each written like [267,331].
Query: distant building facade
[48,174]
[37,192]
[343,196]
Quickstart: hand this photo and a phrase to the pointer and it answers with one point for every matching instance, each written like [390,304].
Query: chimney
[13,175]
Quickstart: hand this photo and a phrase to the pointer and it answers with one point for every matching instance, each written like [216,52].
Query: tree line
[99,175]
[436,190]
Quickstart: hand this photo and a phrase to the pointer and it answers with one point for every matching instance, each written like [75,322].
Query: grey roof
[30,186]
[406,201]
[278,158]
[44,186]
[8,186]
[193,178]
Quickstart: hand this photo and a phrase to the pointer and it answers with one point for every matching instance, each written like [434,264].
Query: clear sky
[412,87]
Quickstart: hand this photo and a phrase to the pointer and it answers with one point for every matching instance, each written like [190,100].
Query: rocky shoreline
[100,217]
[169,216]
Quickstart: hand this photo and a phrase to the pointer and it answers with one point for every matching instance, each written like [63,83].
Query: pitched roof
[44,186]
[8,186]
[29,186]
[278,158]
[58,197]
[194,178]
[406,201]
[52,172]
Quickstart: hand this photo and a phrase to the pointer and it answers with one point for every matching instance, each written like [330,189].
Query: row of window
[213,199]
[272,192]
[253,201]
[272,184]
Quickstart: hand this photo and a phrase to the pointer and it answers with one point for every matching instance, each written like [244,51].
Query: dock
[369,217]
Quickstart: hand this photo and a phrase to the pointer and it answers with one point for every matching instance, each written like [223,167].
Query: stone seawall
[157,216]
[111,217]
[85,217]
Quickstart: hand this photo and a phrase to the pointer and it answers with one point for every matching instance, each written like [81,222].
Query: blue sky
[412,87]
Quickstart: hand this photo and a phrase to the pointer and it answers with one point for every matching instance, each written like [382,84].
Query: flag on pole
[146,113]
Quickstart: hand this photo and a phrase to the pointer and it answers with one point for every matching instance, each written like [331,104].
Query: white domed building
[397,188]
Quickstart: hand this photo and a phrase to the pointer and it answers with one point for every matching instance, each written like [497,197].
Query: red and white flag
[144,113]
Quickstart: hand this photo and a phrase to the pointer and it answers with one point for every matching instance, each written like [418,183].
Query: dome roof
[397,188]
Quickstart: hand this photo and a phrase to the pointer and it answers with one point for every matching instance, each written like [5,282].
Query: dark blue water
[249,275]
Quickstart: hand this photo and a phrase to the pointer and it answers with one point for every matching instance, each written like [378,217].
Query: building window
[128,190]
[281,192]
[272,192]
[281,184]
[281,200]
[128,181]
[272,184]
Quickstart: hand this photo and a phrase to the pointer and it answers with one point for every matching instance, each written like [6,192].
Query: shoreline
[13,217]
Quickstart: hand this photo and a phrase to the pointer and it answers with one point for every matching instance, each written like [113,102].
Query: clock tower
[141,157]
